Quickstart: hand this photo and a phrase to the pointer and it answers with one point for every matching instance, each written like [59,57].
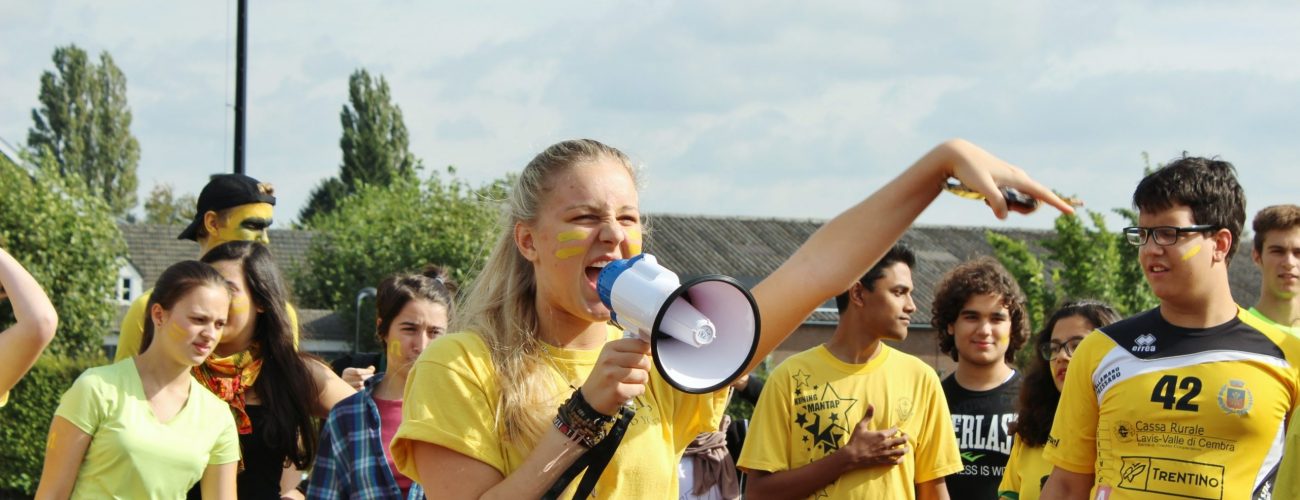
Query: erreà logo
[1144,343]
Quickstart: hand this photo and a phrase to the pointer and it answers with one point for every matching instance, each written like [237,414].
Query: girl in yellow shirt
[480,418]
[1026,470]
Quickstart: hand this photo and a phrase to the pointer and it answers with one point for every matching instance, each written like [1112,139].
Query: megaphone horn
[703,333]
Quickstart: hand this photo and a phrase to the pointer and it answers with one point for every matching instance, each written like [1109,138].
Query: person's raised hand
[981,171]
[620,374]
[356,377]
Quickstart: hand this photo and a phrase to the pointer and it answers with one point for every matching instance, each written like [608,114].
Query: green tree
[66,238]
[402,227]
[164,206]
[374,143]
[85,124]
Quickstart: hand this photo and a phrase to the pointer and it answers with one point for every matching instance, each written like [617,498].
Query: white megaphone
[702,333]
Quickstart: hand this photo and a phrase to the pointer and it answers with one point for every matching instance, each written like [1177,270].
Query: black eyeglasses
[1052,347]
[1164,235]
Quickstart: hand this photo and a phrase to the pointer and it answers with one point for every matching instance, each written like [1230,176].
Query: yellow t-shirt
[812,401]
[452,396]
[1149,407]
[1026,472]
[131,332]
[131,453]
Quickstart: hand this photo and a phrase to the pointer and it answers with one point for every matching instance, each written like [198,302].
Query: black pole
[241,84]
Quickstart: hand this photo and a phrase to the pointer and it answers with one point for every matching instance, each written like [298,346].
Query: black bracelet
[578,421]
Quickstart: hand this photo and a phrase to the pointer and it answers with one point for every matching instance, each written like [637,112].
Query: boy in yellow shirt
[813,432]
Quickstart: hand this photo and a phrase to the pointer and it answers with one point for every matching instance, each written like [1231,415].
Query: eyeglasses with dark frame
[1164,235]
[1049,350]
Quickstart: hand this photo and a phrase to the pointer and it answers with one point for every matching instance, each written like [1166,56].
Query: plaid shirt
[350,461]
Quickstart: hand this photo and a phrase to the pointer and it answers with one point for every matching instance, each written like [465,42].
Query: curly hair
[1038,394]
[979,276]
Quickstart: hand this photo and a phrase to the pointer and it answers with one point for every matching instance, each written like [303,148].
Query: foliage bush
[400,227]
[27,419]
[68,240]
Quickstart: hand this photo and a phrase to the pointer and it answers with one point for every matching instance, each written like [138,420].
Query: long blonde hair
[500,304]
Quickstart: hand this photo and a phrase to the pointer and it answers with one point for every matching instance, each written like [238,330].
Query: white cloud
[769,108]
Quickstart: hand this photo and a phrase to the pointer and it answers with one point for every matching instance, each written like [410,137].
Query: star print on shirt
[801,379]
[823,420]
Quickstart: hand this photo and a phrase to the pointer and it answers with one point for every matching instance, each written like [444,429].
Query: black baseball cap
[224,191]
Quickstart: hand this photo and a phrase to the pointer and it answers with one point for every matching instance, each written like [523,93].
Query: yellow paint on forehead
[233,229]
[1192,253]
[576,234]
[565,253]
[263,210]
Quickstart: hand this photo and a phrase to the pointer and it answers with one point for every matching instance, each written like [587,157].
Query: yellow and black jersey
[1159,411]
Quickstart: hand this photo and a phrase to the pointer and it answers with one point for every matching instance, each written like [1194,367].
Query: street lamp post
[361,295]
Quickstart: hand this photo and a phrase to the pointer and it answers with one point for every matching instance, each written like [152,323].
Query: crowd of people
[528,383]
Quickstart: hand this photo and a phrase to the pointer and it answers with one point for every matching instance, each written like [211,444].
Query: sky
[757,109]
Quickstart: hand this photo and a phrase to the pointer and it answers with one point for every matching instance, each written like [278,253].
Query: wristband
[578,421]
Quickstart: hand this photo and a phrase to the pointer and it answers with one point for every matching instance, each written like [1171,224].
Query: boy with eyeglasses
[1189,399]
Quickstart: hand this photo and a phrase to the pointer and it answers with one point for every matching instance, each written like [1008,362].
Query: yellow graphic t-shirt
[131,332]
[1026,473]
[812,401]
[453,392]
[1153,408]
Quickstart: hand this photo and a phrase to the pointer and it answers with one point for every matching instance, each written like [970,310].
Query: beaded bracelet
[578,421]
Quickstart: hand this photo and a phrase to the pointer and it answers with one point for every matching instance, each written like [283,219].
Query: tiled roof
[153,247]
[749,249]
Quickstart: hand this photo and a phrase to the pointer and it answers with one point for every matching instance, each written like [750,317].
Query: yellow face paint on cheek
[575,235]
[634,241]
[1192,253]
[395,353]
[175,331]
[239,304]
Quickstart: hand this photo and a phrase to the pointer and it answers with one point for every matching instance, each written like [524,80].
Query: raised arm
[847,246]
[36,321]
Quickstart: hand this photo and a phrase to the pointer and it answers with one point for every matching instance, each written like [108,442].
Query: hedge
[26,420]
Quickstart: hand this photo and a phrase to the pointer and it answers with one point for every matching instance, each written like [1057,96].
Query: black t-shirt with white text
[980,419]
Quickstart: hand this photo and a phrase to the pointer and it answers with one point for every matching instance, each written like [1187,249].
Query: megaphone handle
[632,333]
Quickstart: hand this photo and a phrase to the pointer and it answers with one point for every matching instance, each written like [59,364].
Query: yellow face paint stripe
[565,253]
[175,330]
[239,304]
[395,352]
[634,241]
[576,234]
[1192,253]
